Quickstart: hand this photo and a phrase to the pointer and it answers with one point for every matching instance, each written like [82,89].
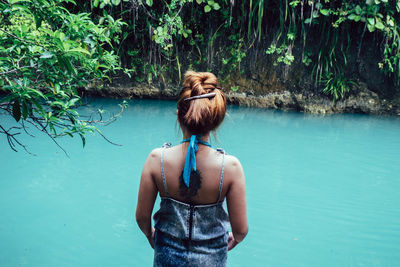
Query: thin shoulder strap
[166,145]
[222,174]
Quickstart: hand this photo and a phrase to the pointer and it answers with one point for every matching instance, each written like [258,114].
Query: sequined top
[191,222]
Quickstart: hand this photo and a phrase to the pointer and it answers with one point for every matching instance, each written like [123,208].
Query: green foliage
[210,5]
[235,88]
[220,35]
[336,84]
[283,52]
[158,40]
[338,27]
[46,53]
[235,52]
[325,31]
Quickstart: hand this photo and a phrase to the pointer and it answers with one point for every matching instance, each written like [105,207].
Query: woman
[193,179]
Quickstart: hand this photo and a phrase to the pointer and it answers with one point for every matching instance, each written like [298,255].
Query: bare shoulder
[233,167]
[232,162]
[170,152]
[155,153]
[152,161]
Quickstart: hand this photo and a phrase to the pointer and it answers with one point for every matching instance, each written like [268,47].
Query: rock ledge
[363,101]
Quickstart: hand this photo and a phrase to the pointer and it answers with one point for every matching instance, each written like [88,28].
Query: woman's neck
[204,137]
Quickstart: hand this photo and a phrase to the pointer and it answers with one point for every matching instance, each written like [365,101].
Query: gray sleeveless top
[191,222]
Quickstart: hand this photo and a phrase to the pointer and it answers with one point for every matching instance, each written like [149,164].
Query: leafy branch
[42,65]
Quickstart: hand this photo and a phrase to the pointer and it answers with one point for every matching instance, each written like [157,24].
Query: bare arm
[236,202]
[147,196]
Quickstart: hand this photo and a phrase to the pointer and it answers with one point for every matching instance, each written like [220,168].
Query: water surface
[321,191]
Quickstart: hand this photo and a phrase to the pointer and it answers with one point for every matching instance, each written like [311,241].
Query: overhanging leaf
[83,139]
[25,110]
[16,110]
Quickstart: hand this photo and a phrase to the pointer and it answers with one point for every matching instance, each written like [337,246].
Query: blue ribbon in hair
[190,162]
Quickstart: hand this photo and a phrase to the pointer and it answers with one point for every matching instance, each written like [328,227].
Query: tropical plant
[46,54]
[221,35]
[336,84]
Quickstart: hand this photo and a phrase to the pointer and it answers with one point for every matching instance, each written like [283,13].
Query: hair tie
[190,162]
[209,95]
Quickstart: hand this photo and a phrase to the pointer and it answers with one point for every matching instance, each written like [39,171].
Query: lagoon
[321,190]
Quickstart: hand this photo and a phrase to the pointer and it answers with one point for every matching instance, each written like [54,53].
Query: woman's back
[211,165]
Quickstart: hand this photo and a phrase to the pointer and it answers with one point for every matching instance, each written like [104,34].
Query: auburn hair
[202,115]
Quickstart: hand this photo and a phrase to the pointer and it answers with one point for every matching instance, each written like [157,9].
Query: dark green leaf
[24,8]
[16,110]
[37,93]
[52,128]
[38,105]
[71,118]
[25,110]
[358,10]
[38,22]
[65,63]
[83,140]
[57,103]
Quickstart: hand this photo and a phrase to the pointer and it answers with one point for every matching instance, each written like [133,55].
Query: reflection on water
[322,191]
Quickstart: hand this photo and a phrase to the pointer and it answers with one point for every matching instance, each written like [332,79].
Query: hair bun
[201,115]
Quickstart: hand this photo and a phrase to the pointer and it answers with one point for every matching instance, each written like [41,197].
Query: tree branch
[15,70]
[16,37]
[42,125]
[11,139]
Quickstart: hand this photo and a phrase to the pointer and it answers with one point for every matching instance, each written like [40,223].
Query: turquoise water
[321,191]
